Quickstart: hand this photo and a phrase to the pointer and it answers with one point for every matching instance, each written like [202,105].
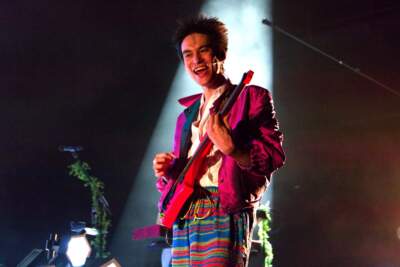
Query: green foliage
[80,170]
[263,234]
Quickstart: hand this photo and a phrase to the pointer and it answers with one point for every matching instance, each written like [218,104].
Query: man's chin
[203,82]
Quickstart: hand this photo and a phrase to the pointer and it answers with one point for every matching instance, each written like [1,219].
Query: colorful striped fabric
[206,236]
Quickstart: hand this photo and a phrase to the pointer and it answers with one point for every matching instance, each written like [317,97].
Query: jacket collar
[189,100]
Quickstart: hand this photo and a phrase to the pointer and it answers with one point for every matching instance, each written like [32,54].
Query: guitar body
[182,194]
[185,189]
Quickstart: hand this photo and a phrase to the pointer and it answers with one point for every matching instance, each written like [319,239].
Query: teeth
[197,69]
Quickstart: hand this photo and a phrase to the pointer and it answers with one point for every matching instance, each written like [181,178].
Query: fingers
[213,116]
[219,134]
[226,123]
[161,163]
[159,174]
[213,122]
[216,123]
[215,119]
[163,157]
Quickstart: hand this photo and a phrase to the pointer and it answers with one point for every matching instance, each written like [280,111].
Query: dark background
[95,73]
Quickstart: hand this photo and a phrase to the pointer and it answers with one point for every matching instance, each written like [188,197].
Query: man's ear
[218,65]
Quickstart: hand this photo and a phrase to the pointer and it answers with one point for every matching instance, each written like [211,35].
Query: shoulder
[257,90]
[257,93]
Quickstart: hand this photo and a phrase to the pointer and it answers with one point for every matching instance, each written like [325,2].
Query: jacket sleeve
[172,173]
[259,134]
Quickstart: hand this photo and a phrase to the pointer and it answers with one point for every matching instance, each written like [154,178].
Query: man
[214,228]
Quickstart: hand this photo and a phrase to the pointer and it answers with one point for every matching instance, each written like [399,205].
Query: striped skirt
[206,236]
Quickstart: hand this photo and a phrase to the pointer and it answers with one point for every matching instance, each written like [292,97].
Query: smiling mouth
[199,69]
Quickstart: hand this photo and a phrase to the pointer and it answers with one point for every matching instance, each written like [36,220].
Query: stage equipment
[52,247]
[35,258]
[43,257]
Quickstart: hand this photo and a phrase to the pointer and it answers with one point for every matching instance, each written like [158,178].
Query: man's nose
[198,58]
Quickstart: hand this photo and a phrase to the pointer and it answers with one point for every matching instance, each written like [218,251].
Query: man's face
[197,58]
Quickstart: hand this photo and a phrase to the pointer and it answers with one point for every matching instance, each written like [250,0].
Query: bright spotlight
[78,250]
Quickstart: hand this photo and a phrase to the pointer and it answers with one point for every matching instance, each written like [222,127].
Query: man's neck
[210,90]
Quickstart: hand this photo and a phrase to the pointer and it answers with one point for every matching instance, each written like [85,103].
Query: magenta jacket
[254,127]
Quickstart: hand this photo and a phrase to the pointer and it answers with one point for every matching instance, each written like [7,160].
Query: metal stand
[338,61]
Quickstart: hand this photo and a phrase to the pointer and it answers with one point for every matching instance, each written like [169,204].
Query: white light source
[78,250]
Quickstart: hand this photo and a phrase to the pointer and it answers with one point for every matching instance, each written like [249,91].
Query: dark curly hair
[211,26]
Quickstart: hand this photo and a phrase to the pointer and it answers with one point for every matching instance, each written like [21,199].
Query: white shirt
[214,158]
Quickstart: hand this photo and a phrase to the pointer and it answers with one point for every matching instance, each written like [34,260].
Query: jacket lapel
[190,114]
